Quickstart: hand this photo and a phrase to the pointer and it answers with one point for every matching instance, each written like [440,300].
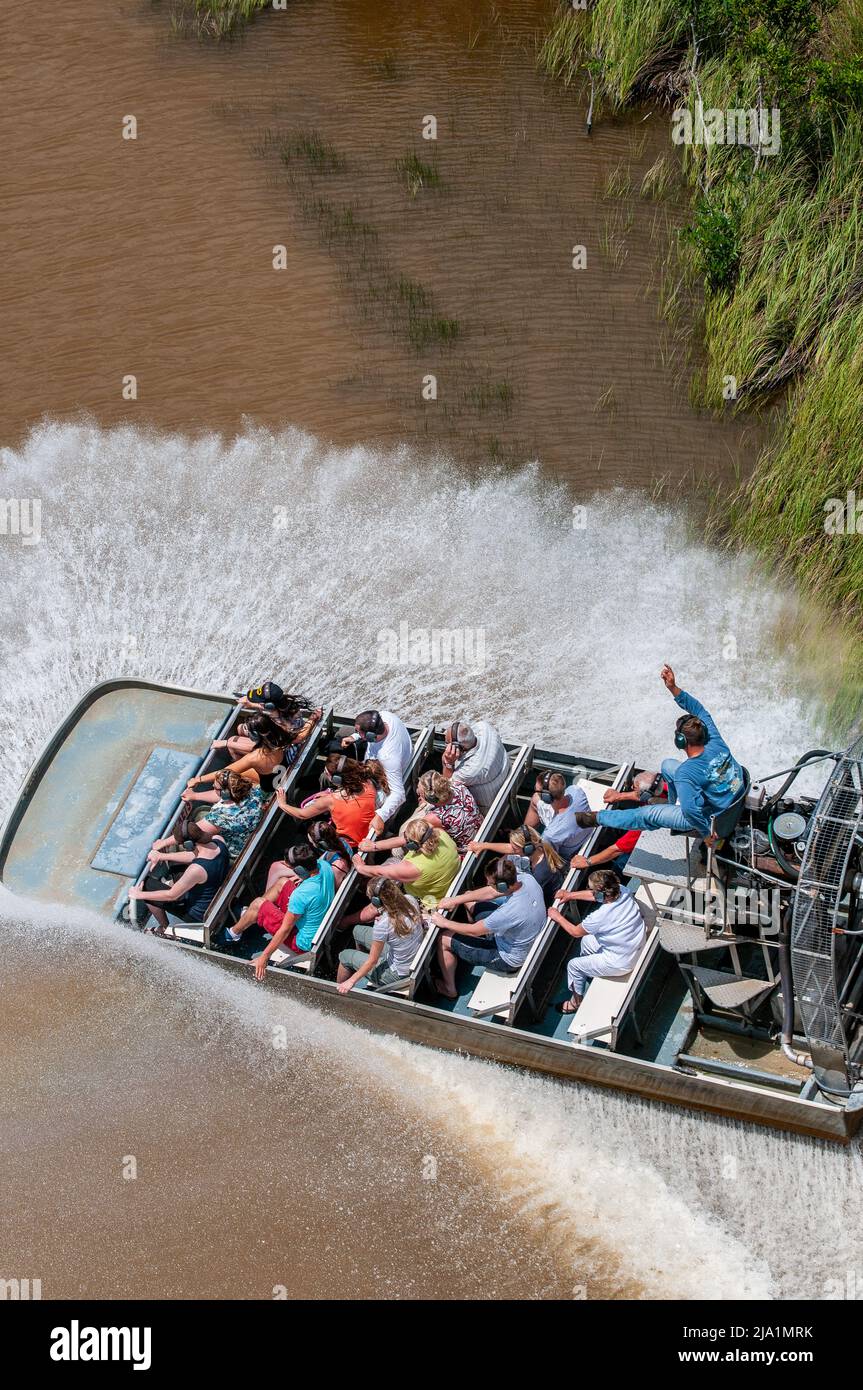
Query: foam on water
[208,563]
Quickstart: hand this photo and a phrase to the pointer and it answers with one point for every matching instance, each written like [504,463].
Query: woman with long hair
[524,847]
[350,799]
[267,753]
[385,948]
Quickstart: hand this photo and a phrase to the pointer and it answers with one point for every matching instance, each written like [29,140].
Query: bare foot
[440,988]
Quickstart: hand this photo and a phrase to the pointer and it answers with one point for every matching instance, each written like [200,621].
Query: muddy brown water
[153,257]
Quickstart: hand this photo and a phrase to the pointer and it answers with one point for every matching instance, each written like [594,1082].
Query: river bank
[773,250]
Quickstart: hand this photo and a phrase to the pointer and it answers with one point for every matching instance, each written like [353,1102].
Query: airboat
[746,1000]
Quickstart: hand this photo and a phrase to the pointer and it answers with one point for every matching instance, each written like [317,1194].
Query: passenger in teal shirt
[307,905]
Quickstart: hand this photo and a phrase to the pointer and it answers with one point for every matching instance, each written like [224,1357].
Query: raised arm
[688,702]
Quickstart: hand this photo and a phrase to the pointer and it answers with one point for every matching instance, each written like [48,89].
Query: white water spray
[175,560]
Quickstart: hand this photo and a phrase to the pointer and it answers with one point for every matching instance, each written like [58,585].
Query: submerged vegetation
[775,237]
[417,173]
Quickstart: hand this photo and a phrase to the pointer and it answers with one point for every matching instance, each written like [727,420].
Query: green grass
[215,19]
[416,174]
[774,249]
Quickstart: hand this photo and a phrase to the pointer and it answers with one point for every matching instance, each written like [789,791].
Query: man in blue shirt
[700,785]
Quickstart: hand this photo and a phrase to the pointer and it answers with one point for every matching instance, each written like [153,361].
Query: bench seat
[496,989]
[606,998]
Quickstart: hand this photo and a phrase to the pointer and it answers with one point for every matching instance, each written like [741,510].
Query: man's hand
[578,861]
[669,681]
[260,967]
[367,846]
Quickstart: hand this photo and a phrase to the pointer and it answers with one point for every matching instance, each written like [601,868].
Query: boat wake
[206,563]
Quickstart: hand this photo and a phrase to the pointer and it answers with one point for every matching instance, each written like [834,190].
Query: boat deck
[118,770]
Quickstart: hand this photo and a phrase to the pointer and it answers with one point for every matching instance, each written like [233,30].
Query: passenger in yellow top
[430,863]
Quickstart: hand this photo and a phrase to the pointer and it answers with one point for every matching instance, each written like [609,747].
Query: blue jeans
[660,815]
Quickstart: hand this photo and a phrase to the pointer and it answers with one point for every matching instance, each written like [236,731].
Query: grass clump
[214,19]
[416,174]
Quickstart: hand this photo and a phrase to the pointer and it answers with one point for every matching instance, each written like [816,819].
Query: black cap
[267,694]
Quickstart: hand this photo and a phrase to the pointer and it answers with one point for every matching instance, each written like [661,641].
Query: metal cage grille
[836,823]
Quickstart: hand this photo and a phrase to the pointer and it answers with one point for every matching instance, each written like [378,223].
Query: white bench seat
[605,997]
[186,933]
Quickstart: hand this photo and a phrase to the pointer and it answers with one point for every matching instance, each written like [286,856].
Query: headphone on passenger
[412,846]
[545,795]
[656,785]
[451,736]
[336,778]
[299,869]
[375,898]
[224,785]
[430,797]
[502,884]
[375,729]
[680,739]
[529,846]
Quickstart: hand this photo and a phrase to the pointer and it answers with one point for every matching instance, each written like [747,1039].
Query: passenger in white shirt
[611,937]
[386,739]
[475,756]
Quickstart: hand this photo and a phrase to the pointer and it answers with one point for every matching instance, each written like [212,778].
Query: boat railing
[506,1009]
[521,763]
[307,960]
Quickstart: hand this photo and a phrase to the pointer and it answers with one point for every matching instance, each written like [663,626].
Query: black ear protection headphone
[680,739]
[225,793]
[502,885]
[336,778]
[656,785]
[451,736]
[375,729]
[299,869]
[430,797]
[545,795]
[529,846]
[413,845]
